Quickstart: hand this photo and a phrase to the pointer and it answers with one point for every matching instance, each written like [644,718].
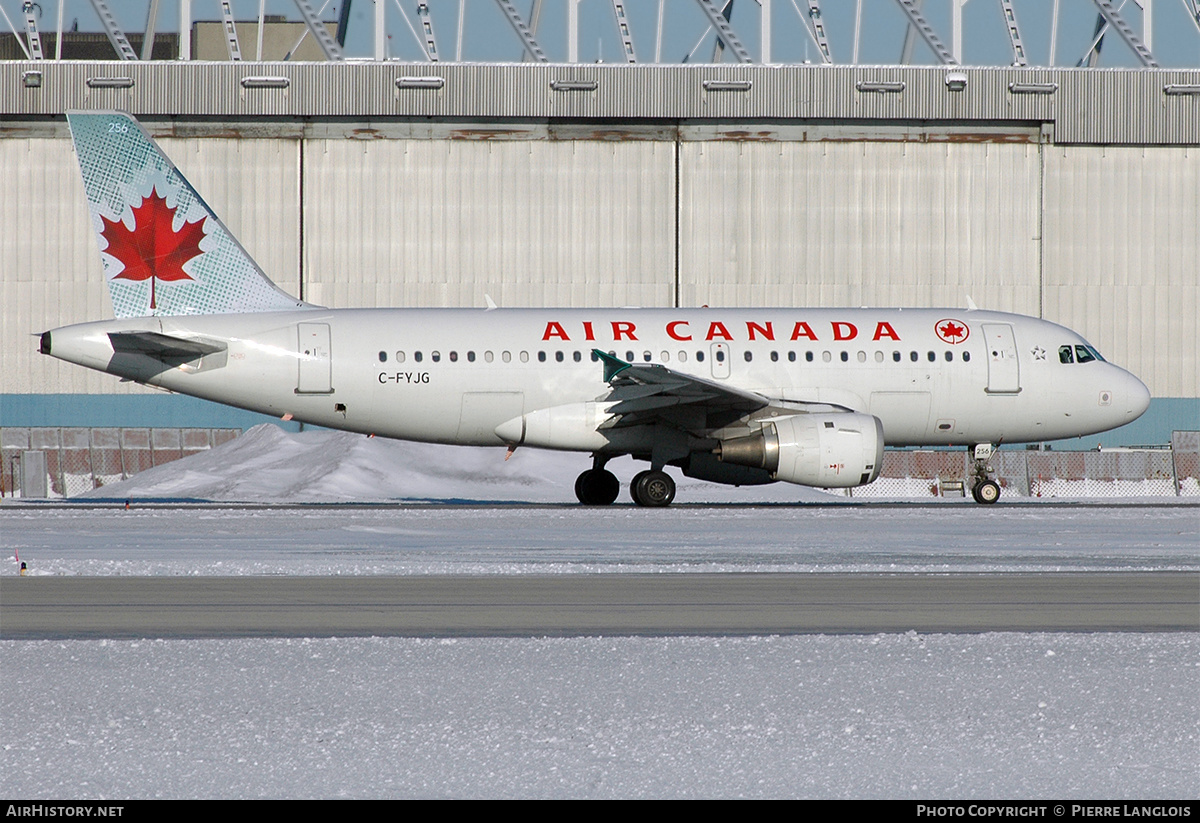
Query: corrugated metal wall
[441,222]
[859,223]
[50,271]
[532,223]
[1122,261]
[1111,106]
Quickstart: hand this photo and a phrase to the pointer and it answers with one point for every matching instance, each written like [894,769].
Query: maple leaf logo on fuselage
[153,250]
[951,331]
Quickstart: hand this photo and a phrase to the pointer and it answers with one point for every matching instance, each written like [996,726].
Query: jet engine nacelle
[823,450]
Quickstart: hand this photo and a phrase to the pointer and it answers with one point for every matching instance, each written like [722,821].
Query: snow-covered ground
[904,716]
[939,716]
[267,464]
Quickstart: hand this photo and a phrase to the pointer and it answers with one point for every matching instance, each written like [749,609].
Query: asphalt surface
[594,604]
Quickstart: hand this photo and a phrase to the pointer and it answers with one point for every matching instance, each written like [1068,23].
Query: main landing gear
[984,487]
[652,488]
[599,487]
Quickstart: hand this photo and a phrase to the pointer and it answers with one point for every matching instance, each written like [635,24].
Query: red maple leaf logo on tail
[153,250]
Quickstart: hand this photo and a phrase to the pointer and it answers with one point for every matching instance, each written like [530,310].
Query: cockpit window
[1078,354]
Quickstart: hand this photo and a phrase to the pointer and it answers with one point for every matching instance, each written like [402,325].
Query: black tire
[653,488]
[597,487]
[986,493]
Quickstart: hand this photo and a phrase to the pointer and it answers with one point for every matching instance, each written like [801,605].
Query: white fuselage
[932,376]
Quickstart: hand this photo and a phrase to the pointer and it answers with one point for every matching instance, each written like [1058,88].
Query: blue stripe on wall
[129,410]
[1166,414]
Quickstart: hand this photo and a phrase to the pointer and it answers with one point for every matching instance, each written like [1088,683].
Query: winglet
[971,304]
[612,365]
[491,304]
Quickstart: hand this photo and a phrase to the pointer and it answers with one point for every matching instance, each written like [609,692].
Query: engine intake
[823,450]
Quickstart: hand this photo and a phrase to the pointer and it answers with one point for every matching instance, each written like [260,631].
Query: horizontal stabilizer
[161,346]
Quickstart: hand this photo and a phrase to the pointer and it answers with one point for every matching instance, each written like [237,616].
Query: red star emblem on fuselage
[951,331]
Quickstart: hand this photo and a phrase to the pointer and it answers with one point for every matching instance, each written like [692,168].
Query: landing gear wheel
[987,492]
[597,487]
[652,488]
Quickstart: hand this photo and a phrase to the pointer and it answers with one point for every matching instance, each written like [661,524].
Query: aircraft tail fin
[164,250]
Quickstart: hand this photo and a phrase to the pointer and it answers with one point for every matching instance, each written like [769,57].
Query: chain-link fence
[78,460]
[1173,471]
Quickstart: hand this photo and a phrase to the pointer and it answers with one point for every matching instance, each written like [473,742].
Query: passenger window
[966,357]
[558,356]
[808,356]
[932,356]
[721,355]
[878,357]
[666,357]
[541,357]
[595,357]
[683,357]
[749,356]
[791,357]
[506,357]
[383,357]
[949,356]
[487,357]
[845,357]
[470,357]
[1082,355]
[417,356]
[435,356]
[524,357]
[699,357]
[399,357]
[896,356]
[774,357]
[826,356]
[862,357]
[913,356]
[1065,355]
[453,357]
[578,357]
[646,356]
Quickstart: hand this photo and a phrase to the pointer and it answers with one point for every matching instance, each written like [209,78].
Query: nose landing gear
[984,487]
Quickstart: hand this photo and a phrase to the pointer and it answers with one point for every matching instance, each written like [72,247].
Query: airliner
[730,395]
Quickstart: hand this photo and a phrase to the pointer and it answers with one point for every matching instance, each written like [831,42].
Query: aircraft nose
[1134,397]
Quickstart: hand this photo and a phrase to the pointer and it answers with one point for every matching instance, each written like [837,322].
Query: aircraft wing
[647,392]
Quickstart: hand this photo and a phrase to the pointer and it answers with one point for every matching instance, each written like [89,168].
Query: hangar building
[1069,194]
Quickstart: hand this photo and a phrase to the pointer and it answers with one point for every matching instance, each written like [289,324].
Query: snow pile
[900,716]
[267,464]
